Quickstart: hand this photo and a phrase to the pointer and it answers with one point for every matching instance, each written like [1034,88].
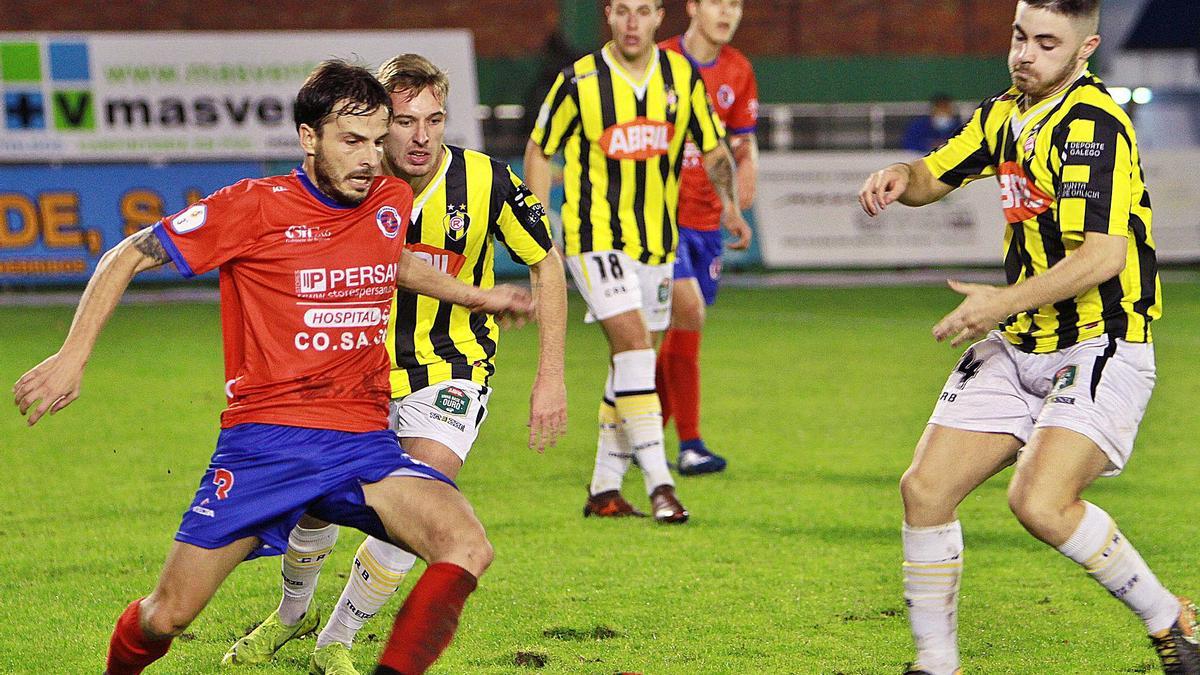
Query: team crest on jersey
[638,139]
[725,96]
[389,221]
[457,221]
[672,101]
[452,400]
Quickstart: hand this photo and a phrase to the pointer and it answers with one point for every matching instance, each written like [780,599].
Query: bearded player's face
[348,154]
[1045,51]
[414,144]
[633,23]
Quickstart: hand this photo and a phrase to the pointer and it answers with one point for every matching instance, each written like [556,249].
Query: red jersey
[730,81]
[306,290]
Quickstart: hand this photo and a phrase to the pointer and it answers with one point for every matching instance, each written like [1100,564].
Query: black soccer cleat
[1177,646]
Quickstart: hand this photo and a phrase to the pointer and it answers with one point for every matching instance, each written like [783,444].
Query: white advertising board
[214,95]
[808,214]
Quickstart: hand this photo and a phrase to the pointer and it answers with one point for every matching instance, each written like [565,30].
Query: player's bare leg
[639,415]
[947,465]
[189,579]
[679,378]
[1057,465]
[436,522]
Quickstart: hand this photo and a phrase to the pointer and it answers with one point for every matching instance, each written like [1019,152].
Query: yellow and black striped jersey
[1066,166]
[622,142]
[471,202]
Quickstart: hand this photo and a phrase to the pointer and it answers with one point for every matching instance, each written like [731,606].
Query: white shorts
[612,283]
[1098,388]
[449,412]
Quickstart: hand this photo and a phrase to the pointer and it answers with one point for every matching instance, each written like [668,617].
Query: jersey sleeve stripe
[181,264]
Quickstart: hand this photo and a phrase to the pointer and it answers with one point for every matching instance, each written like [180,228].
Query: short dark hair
[336,87]
[1074,9]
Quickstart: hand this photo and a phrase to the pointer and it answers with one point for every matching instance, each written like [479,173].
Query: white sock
[306,553]
[377,572]
[641,414]
[1108,556]
[612,449]
[933,562]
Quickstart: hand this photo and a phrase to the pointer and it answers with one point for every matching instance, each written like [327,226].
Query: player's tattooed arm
[148,244]
[722,173]
[54,383]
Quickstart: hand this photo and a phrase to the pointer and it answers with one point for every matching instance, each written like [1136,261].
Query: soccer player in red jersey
[309,263]
[729,78]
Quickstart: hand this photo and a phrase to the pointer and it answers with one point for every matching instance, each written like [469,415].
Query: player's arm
[722,173]
[548,398]
[537,172]
[54,383]
[1100,258]
[964,158]
[506,302]
[745,156]
[557,119]
[911,184]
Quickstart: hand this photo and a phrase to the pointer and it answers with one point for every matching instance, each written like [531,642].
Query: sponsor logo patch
[192,219]
[1020,197]
[452,400]
[638,139]
[1064,378]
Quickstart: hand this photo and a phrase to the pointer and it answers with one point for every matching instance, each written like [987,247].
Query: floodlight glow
[1120,94]
[1142,95]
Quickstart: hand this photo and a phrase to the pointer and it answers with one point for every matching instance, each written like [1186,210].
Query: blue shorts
[263,477]
[698,257]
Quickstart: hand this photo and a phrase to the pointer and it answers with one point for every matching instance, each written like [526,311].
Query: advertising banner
[55,222]
[160,96]
[809,216]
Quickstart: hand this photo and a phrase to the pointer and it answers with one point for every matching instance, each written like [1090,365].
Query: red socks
[427,620]
[129,651]
[679,381]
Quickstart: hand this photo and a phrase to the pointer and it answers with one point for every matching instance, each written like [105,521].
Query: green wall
[809,79]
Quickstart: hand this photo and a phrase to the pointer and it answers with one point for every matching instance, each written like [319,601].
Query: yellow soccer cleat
[332,659]
[260,645]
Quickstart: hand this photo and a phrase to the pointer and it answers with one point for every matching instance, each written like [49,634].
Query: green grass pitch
[791,563]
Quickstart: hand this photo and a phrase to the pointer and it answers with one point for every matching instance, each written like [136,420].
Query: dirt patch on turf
[576,634]
[530,659]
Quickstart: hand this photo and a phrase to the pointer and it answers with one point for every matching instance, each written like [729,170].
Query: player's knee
[1037,511]
[163,616]
[467,547]
[689,316]
[914,489]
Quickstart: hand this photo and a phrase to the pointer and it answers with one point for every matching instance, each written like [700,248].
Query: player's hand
[547,412]
[977,314]
[739,228]
[511,305]
[884,187]
[49,386]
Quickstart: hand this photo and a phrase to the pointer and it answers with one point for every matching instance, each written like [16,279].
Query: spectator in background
[927,132]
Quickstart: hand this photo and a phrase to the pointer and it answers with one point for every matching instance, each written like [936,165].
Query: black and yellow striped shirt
[471,202]
[1066,166]
[622,142]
